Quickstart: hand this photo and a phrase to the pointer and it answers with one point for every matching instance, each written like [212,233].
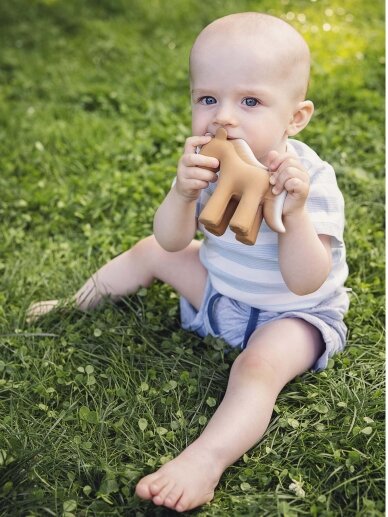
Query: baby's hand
[195,171]
[286,172]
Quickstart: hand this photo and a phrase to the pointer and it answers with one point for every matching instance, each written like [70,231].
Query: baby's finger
[273,177]
[296,187]
[201,174]
[199,160]
[271,159]
[290,161]
[197,183]
[194,141]
[279,179]
[277,160]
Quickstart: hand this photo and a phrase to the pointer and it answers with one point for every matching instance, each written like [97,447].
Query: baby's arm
[304,256]
[175,223]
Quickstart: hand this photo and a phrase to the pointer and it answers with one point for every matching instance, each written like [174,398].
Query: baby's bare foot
[184,483]
[38,309]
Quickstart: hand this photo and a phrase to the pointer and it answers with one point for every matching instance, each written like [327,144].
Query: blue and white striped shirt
[251,274]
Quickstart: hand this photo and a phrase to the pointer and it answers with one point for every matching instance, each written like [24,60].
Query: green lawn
[94,109]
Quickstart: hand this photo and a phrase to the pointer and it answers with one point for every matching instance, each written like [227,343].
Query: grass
[94,111]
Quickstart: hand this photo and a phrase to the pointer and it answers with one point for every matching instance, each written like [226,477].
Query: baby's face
[241,88]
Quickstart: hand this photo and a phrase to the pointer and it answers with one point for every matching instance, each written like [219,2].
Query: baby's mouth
[228,137]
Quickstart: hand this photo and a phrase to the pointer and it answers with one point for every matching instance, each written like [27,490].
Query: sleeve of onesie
[325,203]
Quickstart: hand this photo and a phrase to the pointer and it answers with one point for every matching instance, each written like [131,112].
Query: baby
[281,301]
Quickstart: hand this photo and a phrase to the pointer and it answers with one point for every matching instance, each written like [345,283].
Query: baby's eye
[207,99]
[251,102]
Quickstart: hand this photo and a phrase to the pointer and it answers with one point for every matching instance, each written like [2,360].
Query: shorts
[234,321]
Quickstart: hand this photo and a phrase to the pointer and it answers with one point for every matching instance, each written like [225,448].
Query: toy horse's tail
[273,209]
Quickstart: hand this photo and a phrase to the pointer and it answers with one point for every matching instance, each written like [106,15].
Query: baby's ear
[301,117]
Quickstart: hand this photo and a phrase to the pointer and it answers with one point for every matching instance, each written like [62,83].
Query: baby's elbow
[305,288]
[169,245]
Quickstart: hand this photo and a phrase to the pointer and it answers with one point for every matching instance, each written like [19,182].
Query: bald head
[277,42]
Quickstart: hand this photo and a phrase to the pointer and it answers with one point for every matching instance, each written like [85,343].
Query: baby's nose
[225,116]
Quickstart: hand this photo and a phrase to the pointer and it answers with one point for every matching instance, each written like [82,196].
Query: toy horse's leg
[245,213]
[256,184]
[251,237]
[222,226]
[213,215]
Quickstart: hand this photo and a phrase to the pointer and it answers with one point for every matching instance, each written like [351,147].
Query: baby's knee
[150,256]
[251,364]
[146,248]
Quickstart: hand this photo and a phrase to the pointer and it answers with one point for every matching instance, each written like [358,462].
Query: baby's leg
[136,268]
[276,353]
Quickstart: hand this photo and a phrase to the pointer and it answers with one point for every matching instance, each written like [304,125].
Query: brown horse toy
[243,195]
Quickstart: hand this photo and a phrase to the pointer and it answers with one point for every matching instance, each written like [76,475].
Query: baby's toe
[184,502]
[188,501]
[158,485]
[161,496]
[173,496]
[142,490]
[181,506]
[147,487]
[38,309]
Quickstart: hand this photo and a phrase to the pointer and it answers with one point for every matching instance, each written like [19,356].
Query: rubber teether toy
[243,194]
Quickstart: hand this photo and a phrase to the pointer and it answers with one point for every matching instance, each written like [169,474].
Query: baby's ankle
[211,457]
